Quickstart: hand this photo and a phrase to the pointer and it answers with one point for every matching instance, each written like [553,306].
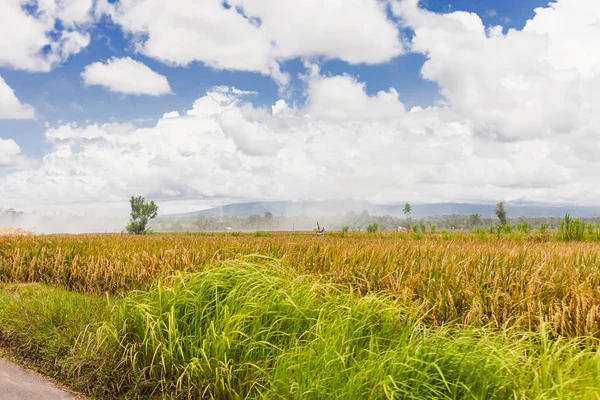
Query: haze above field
[331,208]
[300,215]
[198,104]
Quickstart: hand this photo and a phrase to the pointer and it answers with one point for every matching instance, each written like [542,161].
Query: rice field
[462,280]
[292,315]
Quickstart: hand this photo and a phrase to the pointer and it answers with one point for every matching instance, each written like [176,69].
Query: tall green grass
[258,330]
[247,330]
[572,229]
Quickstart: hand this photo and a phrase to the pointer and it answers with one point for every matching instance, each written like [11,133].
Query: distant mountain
[323,208]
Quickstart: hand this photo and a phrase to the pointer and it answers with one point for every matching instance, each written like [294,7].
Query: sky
[201,103]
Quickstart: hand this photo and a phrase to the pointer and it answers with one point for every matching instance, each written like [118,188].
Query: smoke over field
[44,224]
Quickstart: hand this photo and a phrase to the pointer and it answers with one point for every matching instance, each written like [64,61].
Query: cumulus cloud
[343,98]
[9,150]
[355,31]
[535,82]
[519,121]
[11,157]
[255,35]
[10,106]
[125,75]
[38,35]
[225,148]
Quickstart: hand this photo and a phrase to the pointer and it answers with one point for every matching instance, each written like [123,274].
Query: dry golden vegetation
[15,232]
[462,278]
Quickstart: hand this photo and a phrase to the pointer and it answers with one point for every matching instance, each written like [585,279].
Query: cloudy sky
[195,103]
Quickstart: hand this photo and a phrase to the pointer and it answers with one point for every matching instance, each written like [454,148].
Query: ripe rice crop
[455,315]
[463,280]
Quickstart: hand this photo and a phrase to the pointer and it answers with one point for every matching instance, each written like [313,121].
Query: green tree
[372,228]
[407,210]
[500,212]
[141,213]
[268,215]
[474,220]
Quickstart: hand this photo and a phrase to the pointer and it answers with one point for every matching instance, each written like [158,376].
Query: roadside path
[18,383]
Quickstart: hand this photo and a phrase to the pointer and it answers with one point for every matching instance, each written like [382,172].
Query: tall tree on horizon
[141,213]
[407,210]
[500,212]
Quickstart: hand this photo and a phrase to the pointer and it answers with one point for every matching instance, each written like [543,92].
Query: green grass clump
[251,331]
[262,331]
[262,234]
[572,229]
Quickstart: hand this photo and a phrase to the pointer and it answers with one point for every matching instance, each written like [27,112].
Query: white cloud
[254,35]
[70,12]
[9,151]
[520,121]
[124,75]
[31,40]
[11,157]
[172,114]
[343,98]
[356,31]
[226,149]
[536,82]
[10,106]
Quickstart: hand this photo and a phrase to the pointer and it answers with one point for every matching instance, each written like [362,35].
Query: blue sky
[385,101]
[60,95]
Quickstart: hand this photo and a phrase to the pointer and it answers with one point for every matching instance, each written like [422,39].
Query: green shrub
[523,227]
[262,234]
[591,228]
[345,230]
[572,229]
[518,236]
[372,228]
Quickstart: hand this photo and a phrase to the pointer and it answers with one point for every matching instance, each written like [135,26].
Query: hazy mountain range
[322,208]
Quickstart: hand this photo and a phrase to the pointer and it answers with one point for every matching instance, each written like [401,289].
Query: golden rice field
[521,280]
